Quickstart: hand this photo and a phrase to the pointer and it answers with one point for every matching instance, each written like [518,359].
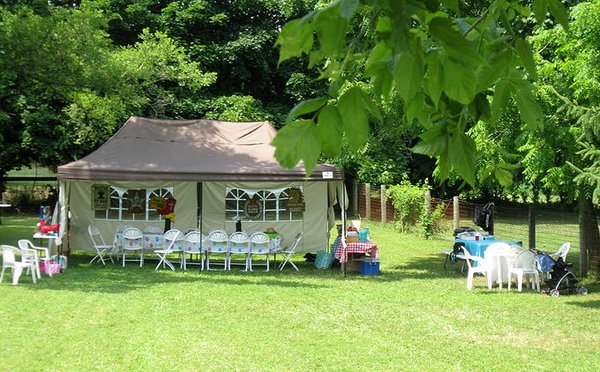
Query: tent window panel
[231,205]
[152,214]
[283,216]
[119,210]
[127,216]
[234,204]
[113,214]
[269,205]
[273,205]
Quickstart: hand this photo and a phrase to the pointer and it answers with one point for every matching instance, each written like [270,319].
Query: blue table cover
[478,247]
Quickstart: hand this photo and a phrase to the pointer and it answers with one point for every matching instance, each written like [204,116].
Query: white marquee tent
[212,169]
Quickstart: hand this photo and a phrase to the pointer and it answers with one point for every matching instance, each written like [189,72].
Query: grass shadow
[594,304]
[113,278]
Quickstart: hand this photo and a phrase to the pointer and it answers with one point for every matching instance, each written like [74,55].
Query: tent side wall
[314,223]
[78,195]
[79,201]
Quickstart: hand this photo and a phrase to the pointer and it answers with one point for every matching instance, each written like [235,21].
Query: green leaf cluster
[449,71]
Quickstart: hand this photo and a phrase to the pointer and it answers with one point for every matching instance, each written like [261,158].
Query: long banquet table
[154,241]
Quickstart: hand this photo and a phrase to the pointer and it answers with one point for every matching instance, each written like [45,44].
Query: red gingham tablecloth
[368,247]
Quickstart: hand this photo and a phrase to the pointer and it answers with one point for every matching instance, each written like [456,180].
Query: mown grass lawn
[414,316]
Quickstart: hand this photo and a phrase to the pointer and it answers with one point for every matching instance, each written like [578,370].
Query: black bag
[483,215]
[463,229]
[456,249]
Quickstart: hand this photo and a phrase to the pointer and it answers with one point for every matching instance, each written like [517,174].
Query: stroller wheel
[582,291]
[554,293]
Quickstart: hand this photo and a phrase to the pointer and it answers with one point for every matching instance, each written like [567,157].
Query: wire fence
[511,223]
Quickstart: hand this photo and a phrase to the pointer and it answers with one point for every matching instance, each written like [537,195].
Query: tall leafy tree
[65,87]
[571,86]
[46,57]
[235,39]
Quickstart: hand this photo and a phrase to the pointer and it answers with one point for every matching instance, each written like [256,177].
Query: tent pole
[344,227]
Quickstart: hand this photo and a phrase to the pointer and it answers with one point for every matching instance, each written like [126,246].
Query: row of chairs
[218,242]
[523,265]
[26,257]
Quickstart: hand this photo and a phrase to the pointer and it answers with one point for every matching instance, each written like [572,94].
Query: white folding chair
[26,244]
[170,239]
[133,242]
[259,244]
[239,244]
[288,252]
[193,244]
[102,249]
[9,261]
[218,243]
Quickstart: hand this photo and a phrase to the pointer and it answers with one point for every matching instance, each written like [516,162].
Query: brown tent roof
[196,150]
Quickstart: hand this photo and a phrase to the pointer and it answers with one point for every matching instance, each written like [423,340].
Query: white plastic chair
[102,249]
[9,261]
[170,239]
[26,244]
[133,242]
[194,245]
[218,243]
[259,244]
[524,266]
[562,252]
[481,268]
[239,244]
[289,251]
[498,256]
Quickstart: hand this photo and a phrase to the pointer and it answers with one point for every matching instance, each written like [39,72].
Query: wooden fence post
[368,200]
[383,205]
[455,212]
[531,227]
[428,200]
[355,196]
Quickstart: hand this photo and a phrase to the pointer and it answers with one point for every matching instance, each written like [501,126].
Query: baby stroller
[560,278]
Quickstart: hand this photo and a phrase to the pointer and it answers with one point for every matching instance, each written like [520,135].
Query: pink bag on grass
[53,268]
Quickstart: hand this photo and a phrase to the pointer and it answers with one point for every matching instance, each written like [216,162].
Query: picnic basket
[324,260]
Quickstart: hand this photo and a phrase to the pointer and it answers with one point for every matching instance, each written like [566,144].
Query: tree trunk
[589,236]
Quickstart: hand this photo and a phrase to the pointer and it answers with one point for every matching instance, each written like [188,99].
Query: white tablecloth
[152,242]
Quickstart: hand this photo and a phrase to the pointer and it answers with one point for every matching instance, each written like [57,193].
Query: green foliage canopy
[570,88]
[446,69]
[66,88]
